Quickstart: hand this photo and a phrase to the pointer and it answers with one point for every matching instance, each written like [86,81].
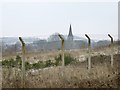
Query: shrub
[48,63]
[38,65]
[18,58]
[58,59]
[27,66]
[41,64]
[67,57]
[12,63]
[35,66]
[18,61]
[9,63]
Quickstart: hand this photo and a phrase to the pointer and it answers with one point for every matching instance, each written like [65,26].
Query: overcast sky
[45,18]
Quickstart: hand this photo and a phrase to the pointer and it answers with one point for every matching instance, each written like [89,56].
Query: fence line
[62,48]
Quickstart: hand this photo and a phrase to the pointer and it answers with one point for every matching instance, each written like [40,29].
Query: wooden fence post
[23,62]
[62,48]
[89,48]
[111,50]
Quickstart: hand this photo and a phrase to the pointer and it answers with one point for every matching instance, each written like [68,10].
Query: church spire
[70,31]
[70,35]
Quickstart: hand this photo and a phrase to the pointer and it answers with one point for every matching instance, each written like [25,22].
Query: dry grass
[63,77]
[75,75]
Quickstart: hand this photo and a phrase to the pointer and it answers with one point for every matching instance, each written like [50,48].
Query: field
[73,75]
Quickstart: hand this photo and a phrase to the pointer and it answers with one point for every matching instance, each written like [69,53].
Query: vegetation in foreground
[74,75]
[48,63]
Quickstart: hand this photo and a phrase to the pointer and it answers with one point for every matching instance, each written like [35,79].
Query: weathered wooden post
[23,62]
[62,48]
[111,49]
[89,48]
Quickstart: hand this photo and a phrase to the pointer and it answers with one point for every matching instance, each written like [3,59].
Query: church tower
[70,35]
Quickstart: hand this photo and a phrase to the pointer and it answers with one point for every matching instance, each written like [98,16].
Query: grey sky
[44,19]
